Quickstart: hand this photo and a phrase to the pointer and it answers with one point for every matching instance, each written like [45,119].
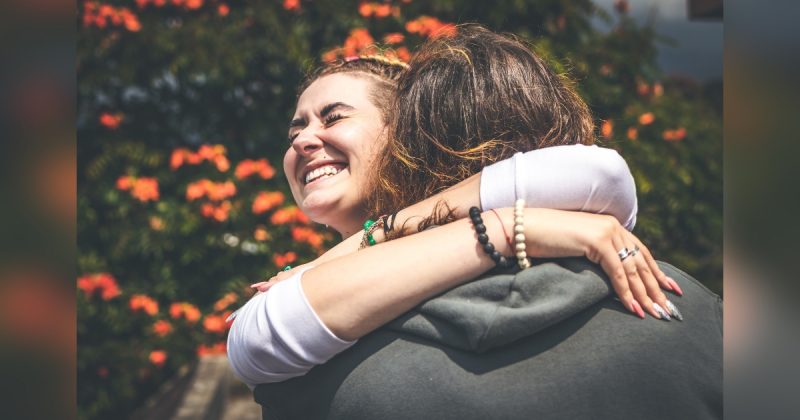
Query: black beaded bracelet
[499,260]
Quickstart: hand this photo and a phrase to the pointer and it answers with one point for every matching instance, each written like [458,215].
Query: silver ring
[623,253]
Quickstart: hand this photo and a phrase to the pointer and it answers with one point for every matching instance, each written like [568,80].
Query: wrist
[499,227]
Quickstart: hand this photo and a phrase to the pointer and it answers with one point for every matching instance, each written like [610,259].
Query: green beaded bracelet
[370,226]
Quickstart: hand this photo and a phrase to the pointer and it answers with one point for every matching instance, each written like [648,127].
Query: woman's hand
[634,274]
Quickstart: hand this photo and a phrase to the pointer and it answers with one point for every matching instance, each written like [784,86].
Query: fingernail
[637,309]
[254,285]
[673,310]
[661,312]
[675,286]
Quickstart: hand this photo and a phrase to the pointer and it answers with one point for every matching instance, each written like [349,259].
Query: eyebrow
[327,109]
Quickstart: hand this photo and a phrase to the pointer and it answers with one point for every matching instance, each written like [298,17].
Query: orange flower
[403,54]
[108,287]
[220,191]
[291,5]
[393,38]
[193,159]
[103,282]
[643,89]
[184,310]
[647,118]
[143,303]
[178,157]
[217,348]
[307,235]
[86,284]
[194,4]
[212,153]
[658,90]
[111,121]
[358,42]
[607,129]
[289,214]
[161,328]
[222,164]
[266,201]
[131,21]
[674,135]
[145,189]
[156,223]
[261,234]
[249,167]
[633,133]
[124,183]
[222,212]
[381,10]
[331,55]
[98,15]
[197,189]
[282,260]
[216,191]
[214,324]
[223,9]
[219,213]
[142,3]
[226,301]
[430,27]
[365,9]
[158,357]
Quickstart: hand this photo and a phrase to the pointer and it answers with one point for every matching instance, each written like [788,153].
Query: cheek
[289,166]
[365,141]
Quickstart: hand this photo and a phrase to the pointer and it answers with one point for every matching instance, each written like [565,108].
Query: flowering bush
[173,94]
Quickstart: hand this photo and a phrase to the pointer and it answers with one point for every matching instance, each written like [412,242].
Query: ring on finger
[623,253]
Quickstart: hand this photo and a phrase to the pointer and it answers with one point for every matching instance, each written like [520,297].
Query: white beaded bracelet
[519,234]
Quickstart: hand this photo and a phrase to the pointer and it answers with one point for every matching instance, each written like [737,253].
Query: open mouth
[322,172]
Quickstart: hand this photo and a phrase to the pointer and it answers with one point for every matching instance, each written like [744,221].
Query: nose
[307,142]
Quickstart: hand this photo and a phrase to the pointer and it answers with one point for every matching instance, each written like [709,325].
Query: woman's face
[334,134]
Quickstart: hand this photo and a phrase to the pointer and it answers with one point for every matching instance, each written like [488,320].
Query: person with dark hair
[298,324]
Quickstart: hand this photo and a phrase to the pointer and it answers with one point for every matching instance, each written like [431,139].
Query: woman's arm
[384,281]
[578,177]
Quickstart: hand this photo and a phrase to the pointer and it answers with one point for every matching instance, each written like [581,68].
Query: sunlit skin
[336,125]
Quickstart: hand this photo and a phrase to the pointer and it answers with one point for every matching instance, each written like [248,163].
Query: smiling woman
[335,134]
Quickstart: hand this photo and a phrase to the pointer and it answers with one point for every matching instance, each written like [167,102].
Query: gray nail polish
[661,312]
[673,310]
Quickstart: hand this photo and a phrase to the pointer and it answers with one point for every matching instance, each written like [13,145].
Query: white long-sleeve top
[278,336]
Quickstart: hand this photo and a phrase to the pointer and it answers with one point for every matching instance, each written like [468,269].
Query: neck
[351,225]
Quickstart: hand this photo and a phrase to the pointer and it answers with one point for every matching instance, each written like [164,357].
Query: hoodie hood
[499,308]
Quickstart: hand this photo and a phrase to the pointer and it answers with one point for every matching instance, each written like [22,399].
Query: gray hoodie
[548,342]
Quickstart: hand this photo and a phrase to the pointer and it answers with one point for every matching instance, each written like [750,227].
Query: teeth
[328,170]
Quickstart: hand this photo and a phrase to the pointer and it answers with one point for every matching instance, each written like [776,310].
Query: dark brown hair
[468,101]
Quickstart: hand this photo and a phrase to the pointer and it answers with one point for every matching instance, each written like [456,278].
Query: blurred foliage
[182,113]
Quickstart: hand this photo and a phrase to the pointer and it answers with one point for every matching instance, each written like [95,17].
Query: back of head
[466,102]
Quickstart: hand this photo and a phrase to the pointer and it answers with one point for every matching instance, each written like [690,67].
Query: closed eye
[330,119]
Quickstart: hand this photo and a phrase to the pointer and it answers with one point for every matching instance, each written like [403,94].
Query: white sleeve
[277,336]
[575,177]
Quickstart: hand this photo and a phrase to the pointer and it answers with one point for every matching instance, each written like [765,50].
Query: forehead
[339,87]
